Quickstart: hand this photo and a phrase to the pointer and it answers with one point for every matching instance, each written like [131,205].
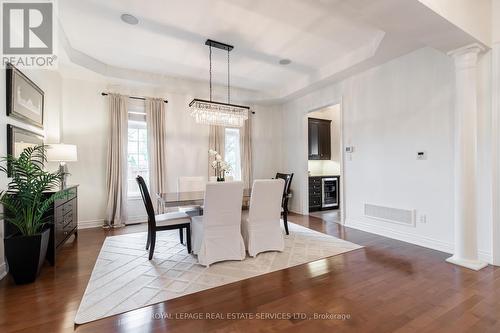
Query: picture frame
[19,138]
[25,100]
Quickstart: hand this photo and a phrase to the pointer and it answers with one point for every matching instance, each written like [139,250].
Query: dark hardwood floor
[389,286]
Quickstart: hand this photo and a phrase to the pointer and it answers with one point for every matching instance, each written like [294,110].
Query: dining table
[193,198]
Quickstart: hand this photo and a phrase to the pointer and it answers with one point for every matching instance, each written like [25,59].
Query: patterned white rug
[124,279]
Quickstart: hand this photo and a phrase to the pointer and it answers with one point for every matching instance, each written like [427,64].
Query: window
[137,156]
[232,152]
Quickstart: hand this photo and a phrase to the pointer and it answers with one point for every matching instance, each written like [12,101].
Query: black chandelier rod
[133,97]
[210,70]
[228,80]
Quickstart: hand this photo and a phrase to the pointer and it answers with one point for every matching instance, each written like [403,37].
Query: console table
[64,221]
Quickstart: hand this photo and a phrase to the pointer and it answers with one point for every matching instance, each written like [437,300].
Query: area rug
[124,279]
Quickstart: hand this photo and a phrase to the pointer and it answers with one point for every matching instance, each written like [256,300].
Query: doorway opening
[325,164]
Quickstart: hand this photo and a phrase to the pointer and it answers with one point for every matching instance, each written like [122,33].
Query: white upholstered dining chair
[217,234]
[191,184]
[260,226]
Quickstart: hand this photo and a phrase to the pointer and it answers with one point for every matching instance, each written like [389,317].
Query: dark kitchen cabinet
[319,139]
[324,193]
[314,193]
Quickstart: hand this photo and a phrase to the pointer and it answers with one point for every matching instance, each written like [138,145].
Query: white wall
[495,20]
[495,103]
[389,113]
[50,83]
[472,16]
[266,141]
[85,124]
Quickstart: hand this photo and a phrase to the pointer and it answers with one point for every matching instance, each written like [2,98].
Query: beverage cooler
[330,193]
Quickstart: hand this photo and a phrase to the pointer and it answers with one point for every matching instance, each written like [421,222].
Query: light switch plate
[421,155]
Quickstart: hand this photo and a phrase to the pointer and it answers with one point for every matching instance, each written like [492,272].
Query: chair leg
[188,238]
[181,235]
[148,241]
[285,221]
[152,246]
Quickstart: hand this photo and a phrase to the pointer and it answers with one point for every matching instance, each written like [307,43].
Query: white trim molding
[466,197]
[3,270]
[407,237]
[427,242]
[90,224]
[100,223]
[137,219]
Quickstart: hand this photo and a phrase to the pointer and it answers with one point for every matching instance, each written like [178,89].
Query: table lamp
[62,153]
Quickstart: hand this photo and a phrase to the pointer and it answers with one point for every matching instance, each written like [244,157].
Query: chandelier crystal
[218,113]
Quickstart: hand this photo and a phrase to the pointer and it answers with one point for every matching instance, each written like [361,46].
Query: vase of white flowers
[220,166]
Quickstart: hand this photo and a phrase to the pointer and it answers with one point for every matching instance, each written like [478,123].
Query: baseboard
[137,219]
[407,237]
[485,256]
[401,235]
[99,223]
[3,270]
[90,224]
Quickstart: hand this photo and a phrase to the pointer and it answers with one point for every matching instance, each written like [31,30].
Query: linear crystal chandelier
[218,113]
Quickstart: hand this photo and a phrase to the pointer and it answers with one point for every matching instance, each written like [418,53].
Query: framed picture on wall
[18,139]
[24,98]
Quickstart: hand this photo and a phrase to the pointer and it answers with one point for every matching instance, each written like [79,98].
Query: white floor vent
[388,214]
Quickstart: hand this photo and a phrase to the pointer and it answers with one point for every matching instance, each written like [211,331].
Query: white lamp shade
[61,153]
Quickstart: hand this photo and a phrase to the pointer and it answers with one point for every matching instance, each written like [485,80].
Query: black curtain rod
[133,97]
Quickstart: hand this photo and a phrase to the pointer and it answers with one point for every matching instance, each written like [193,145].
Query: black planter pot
[25,255]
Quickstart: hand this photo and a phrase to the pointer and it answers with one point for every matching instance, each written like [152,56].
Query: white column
[495,147]
[465,247]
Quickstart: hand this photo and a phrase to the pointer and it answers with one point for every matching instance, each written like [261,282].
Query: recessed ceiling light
[285,62]
[129,19]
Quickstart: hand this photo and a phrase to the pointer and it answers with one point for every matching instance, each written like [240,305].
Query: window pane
[232,152]
[143,135]
[133,188]
[143,148]
[132,161]
[137,154]
[132,134]
[133,147]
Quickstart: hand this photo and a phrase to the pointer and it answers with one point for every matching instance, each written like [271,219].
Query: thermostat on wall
[349,149]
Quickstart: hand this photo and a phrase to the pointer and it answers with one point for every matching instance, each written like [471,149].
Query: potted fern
[26,203]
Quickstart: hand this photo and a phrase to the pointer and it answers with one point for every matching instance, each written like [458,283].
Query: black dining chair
[167,221]
[287,177]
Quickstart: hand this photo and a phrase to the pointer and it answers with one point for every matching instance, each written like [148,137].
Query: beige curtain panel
[156,120]
[116,180]
[246,152]
[216,141]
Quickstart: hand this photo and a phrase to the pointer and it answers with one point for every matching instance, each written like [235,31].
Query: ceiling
[324,39]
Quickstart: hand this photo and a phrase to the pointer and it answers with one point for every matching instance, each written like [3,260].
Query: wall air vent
[393,215]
